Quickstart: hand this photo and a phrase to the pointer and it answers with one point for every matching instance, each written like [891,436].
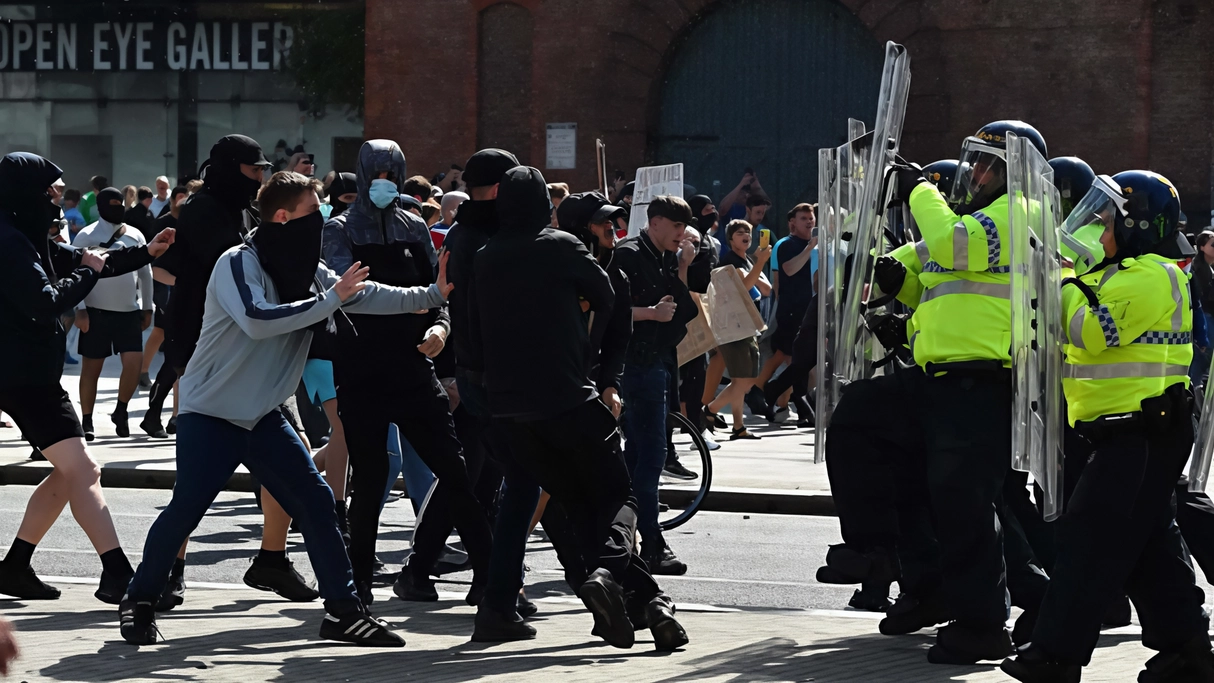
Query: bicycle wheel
[681,491]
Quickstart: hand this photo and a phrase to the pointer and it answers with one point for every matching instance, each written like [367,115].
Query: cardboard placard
[699,339]
[652,181]
[731,312]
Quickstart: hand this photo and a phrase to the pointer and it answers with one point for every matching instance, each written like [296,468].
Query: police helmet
[941,173]
[1073,178]
[1141,211]
[982,176]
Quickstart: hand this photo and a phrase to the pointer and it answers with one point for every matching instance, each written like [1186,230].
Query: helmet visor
[981,175]
[1093,216]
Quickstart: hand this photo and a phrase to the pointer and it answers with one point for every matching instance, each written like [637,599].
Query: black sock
[19,555]
[273,558]
[178,567]
[121,409]
[115,562]
[86,419]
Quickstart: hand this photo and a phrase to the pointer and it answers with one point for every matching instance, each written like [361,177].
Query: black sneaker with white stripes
[137,622]
[359,628]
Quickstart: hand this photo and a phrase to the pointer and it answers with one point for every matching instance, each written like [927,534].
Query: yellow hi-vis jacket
[1135,344]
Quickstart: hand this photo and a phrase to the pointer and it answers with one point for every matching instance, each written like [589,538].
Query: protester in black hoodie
[559,430]
[41,280]
[375,389]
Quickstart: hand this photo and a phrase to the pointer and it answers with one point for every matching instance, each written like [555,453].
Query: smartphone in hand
[764,238]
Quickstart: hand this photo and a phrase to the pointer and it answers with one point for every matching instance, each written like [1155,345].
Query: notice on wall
[653,181]
[562,146]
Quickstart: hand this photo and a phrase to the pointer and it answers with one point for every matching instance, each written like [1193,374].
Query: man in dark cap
[41,280]
[559,430]
[213,220]
[385,376]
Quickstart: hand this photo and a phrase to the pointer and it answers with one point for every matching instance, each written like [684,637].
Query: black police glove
[889,329]
[889,274]
[908,176]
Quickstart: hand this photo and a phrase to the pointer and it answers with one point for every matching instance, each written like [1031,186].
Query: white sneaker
[712,445]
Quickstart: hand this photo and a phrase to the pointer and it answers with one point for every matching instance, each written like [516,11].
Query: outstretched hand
[352,282]
[161,242]
[444,287]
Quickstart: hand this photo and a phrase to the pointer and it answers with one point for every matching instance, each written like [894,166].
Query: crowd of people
[392,305]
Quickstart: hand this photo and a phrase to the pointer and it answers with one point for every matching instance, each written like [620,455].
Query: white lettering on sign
[23,40]
[217,62]
[41,59]
[67,47]
[562,145]
[177,53]
[142,45]
[3,45]
[259,44]
[123,41]
[100,45]
[199,53]
[652,181]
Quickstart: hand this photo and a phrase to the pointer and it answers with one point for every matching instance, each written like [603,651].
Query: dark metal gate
[764,84]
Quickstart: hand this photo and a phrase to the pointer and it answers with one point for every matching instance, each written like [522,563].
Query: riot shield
[1203,446]
[840,185]
[1037,336]
[853,347]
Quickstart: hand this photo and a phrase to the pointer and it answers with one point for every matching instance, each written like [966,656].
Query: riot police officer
[1128,325]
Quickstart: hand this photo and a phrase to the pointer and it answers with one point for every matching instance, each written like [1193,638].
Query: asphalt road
[743,560]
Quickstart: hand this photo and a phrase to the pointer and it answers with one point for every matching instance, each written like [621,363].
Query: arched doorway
[765,84]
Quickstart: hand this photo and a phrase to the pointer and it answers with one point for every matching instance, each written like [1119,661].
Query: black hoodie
[40,280]
[530,330]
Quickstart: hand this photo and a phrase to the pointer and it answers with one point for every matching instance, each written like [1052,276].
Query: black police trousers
[875,464]
[422,413]
[576,457]
[1119,532]
[967,428]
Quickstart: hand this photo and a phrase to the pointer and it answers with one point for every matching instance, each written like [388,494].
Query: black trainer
[605,600]
[1193,662]
[664,562]
[668,634]
[675,469]
[173,593]
[86,423]
[112,587]
[1031,665]
[286,582]
[492,626]
[359,628]
[121,428]
[23,583]
[150,424]
[756,401]
[171,427]
[959,644]
[409,587]
[137,623]
[525,608]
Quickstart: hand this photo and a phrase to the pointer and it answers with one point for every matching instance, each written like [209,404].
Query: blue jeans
[516,505]
[645,390]
[208,451]
[404,460]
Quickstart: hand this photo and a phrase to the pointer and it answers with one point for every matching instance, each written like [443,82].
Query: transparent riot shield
[854,348]
[1203,445]
[1037,335]
[840,183]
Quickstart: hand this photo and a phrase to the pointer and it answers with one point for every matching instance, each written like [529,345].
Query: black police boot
[605,600]
[668,634]
[909,614]
[1194,663]
[1031,665]
[137,622]
[492,626]
[959,644]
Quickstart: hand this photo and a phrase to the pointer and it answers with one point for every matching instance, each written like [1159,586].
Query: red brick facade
[1121,83]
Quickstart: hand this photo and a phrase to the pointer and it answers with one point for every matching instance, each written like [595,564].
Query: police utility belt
[978,369]
[1159,415]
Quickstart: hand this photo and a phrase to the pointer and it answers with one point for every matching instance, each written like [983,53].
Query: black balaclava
[703,223]
[290,253]
[343,183]
[523,202]
[24,181]
[109,206]
[222,174]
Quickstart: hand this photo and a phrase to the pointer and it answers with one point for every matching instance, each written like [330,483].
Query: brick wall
[1130,85]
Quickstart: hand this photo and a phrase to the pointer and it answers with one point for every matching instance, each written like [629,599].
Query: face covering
[343,183]
[109,206]
[382,192]
[24,179]
[707,221]
[290,252]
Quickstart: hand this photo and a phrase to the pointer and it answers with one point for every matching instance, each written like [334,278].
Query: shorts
[741,358]
[290,410]
[318,380]
[110,333]
[44,413]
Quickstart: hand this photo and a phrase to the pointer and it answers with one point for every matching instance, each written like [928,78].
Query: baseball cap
[486,167]
[607,212]
[239,148]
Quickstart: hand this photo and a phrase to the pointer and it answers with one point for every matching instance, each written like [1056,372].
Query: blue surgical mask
[383,192]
